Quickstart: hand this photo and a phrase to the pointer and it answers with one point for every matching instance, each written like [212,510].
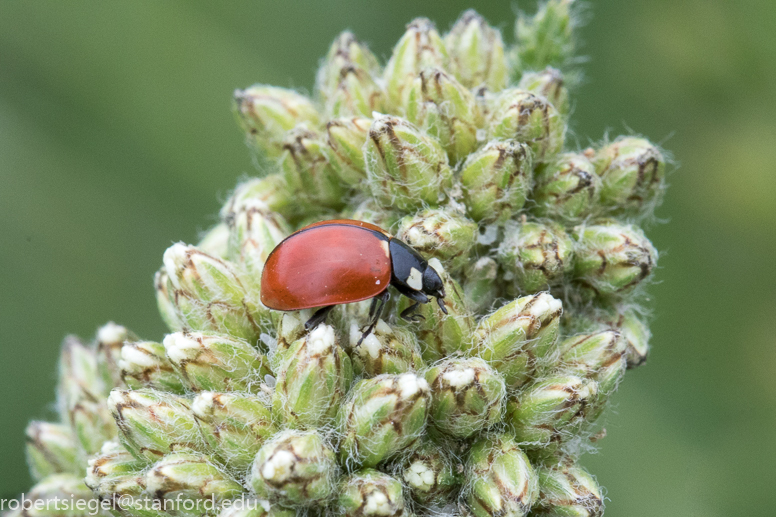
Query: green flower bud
[59,495]
[599,356]
[346,51]
[290,329]
[467,396]
[211,362]
[480,285]
[265,113]
[115,473]
[545,39]
[215,241]
[568,491]
[152,424]
[369,493]
[567,188]
[535,256]
[430,474]
[271,191]
[371,212]
[307,169]
[233,425]
[51,449]
[144,364]
[632,328]
[548,84]
[312,380]
[476,52]
[632,172]
[519,339]
[346,138]
[295,468]
[255,508]
[612,258]
[81,395]
[501,481]
[525,117]
[381,417]
[386,349]
[549,411]
[254,231]
[405,168]
[189,475]
[441,334]
[441,106]
[110,339]
[356,94]
[165,300]
[419,48]
[496,181]
[440,233]
[209,295]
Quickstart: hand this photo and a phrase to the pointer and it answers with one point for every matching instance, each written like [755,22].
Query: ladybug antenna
[441,302]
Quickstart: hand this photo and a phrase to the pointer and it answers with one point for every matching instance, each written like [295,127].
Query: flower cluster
[457,146]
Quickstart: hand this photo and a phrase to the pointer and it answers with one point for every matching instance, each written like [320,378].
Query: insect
[344,261]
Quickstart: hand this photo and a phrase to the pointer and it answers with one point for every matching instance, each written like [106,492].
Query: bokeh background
[116,139]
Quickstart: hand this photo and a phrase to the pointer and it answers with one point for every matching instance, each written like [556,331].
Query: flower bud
[632,172]
[254,231]
[345,51]
[290,328]
[265,113]
[165,300]
[152,424]
[599,356]
[189,475]
[631,326]
[308,171]
[535,256]
[369,493]
[215,241]
[356,93]
[440,233]
[430,473]
[467,396]
[612,258]
[500,478]
[441,106]
[441,334]
[370,211]
[568,188]
[110,339]
[346,138]
[405,168]
[209,295]
[476,52]
[551,410]
[270,191]
[419,48]
[51,449]
[548,84]
[519,339]
[568,491]
[295,468]
[525,117]
[58,495]
[496,181]
[480,286]
[114,473]
[381,417]
[81,395]
[234,426]
[546,38]
[212,362]
[144,364]
[312,380]
[386,349]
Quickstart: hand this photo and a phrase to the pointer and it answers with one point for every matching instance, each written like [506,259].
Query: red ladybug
[345,261]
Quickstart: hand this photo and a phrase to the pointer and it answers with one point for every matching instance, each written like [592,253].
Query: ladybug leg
[318,317]
[375,311]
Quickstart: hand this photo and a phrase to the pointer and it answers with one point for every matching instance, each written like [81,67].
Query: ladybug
[345,261]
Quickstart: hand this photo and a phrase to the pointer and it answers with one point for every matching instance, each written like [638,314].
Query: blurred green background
[116,139]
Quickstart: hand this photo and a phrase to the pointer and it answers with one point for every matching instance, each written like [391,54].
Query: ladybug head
[433,286]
